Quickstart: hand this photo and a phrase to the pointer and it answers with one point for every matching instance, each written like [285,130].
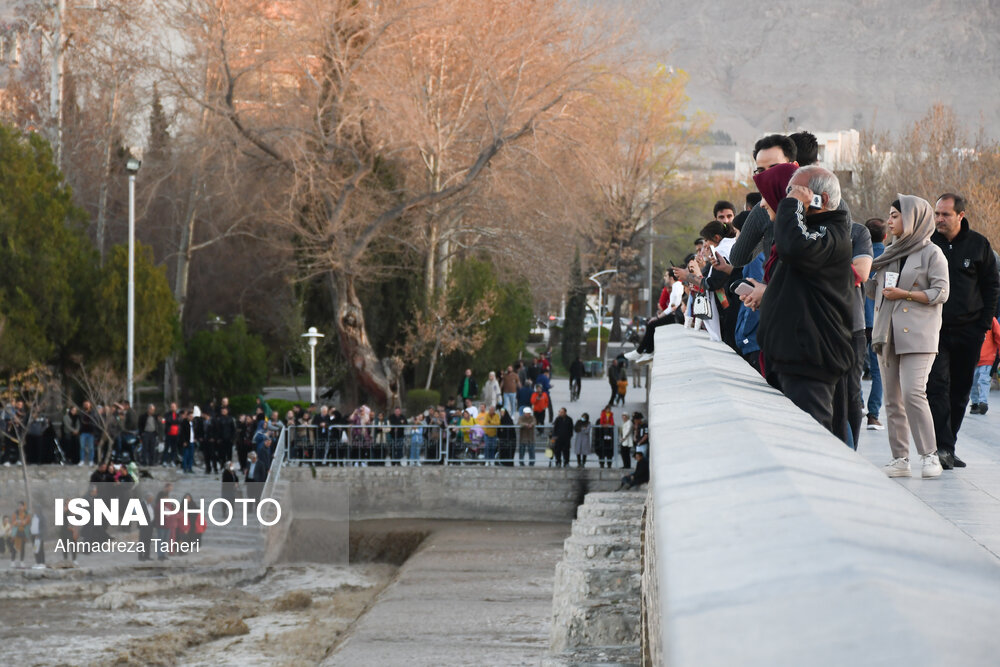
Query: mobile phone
[743,288]
[817,201]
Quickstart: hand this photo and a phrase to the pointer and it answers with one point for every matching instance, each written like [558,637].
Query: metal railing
[276,462]
[420,444]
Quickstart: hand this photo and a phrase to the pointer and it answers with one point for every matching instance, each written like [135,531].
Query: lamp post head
[313,335]
[132,165]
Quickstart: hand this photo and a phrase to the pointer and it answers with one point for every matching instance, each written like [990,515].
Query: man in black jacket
[640,476]
[224,427]
[562,435]
[805,314]
[967,316]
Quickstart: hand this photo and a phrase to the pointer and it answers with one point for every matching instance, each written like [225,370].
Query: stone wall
[459,492]
[769,542]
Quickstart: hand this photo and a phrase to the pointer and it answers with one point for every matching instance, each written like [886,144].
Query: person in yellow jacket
[490,422]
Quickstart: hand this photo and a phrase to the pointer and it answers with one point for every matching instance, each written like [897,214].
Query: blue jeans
[981,385]
[415,449]
[510,405]
[875,395]
[187,461]
[491,447]
[87,448]
[529,446]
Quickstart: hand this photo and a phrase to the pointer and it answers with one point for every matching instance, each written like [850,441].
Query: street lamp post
[313,335]
[600,305]
[132,167]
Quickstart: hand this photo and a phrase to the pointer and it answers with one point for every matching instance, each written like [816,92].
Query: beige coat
[914,326]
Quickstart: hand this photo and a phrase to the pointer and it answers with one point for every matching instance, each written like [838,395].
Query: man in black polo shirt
[967,316]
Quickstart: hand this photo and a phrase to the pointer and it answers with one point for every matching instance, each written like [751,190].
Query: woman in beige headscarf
[909,288]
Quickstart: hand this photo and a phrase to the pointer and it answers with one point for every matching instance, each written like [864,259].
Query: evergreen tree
[156,328]
[48,264]
[227,360]
[576,304]
[159,134]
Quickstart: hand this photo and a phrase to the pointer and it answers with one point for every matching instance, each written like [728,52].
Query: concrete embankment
[769,542]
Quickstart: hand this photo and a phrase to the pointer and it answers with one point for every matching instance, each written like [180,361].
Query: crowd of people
[503,423]
[815,301]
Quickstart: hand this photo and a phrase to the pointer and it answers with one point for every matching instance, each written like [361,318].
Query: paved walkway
[475,593]
[967,497]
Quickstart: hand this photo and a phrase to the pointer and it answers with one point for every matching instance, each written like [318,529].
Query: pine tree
[575,310]
[159,134]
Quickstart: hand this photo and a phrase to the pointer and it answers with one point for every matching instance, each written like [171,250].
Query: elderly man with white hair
[805,315]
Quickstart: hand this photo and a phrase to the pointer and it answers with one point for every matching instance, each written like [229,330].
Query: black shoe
[983,407]
[974,410]
[957,462]
[947,459]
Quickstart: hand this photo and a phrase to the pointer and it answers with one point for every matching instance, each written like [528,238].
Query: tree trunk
[102,196]
[380,378]
[434,356]
[170,384]
[616,323]
[430,266]
[24,470]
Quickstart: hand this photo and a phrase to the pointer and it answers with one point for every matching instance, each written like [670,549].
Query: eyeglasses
[761,170]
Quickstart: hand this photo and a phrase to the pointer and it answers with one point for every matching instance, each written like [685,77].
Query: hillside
[833,64]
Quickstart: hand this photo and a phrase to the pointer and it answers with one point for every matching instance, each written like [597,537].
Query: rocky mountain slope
[833,64]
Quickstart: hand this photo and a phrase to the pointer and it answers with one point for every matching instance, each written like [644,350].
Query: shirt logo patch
[966,263]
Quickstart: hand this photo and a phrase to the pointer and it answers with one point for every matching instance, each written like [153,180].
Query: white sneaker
[899,468]
[80,463]
[931,466]
[634,355]
[645,359]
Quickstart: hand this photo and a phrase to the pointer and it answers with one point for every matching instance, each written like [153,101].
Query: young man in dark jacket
[805,314]
[967,316]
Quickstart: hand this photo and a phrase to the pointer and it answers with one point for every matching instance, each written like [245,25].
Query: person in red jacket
[984,371]
[604,436]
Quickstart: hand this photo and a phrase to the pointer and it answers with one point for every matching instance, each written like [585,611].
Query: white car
[541,329]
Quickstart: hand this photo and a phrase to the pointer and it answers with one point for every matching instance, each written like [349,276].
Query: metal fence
[420,444]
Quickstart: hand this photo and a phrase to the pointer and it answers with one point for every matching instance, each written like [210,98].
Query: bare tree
[29,394]
[627,164]
[937,154]
[441,329]
[104,387]
[305,97]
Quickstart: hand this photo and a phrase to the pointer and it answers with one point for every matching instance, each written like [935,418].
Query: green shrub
[418,399]
[605,335]
[282,406]
[228,359]
[243,404]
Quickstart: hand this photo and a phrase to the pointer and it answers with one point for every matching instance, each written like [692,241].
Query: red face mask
[773,183]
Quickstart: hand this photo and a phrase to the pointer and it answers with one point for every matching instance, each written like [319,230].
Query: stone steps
[601,656]
[609,547]
[626,529]
[582,583]
[598,584]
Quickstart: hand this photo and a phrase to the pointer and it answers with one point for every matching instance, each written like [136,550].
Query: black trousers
[950,381]
[561,451]
[816,398]
[626,454]
[646,345]
[847,404]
